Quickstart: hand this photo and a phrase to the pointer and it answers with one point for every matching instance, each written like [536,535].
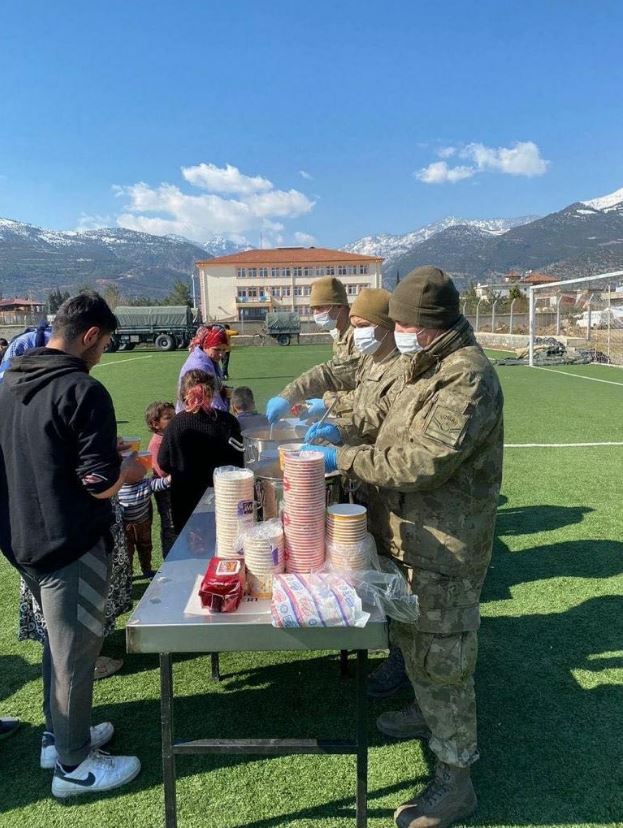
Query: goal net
[577,320]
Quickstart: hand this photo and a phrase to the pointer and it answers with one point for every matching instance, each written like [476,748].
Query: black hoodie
[58,447]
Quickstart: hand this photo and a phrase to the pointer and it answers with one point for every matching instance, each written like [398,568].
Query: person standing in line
[206,353]
[19,345]
[437,463]
[329,303]
[243,407]
[59,467]
[198,440]
[158,415]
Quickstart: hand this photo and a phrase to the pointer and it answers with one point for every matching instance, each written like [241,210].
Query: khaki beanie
[426,298]
[373,304]
[327,291]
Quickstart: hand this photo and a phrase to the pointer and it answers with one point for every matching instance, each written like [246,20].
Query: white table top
[170,619]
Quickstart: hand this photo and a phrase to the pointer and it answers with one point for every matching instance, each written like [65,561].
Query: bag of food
[223,584]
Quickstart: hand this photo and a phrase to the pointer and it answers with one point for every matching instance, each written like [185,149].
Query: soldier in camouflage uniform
[329,303]
[437,461]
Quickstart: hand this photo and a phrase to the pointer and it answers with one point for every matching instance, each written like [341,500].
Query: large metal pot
[269,487]
[263,443]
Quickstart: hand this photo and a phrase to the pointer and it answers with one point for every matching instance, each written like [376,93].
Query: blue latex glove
[276,408]
[323,431]
[330,455]
[315,407]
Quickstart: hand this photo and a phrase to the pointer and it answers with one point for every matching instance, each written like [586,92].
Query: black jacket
[58,447]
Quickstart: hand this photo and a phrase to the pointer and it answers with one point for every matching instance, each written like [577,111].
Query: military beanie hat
[426,298]
[373,304]
[327,291]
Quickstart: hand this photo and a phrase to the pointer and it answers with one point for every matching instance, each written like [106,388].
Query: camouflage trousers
[441,670]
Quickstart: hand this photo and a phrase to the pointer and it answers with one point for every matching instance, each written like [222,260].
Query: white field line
[559,445]
[578,376]
[119,361]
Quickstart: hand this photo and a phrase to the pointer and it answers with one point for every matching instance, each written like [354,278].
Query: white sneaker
[99,772]
[100,735]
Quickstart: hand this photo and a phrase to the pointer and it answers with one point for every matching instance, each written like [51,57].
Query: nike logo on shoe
[84,783]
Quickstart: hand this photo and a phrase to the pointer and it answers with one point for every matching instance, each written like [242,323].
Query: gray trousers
[73,601]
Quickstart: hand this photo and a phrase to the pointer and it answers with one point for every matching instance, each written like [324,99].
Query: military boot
[389,677]
[407,723]
[448,798]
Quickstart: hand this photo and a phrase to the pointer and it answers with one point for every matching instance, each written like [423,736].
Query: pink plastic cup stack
[304,495]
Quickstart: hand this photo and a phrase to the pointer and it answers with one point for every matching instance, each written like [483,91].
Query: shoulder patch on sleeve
[447,425]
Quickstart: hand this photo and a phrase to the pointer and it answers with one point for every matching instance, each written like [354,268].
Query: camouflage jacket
[376,386]
[340,370]
[437,462]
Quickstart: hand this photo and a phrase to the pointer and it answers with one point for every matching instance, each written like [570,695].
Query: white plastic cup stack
[264,556]
[234,507]
[346,537]
[304,495]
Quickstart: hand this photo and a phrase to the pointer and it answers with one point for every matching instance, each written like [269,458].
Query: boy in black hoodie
[59,467]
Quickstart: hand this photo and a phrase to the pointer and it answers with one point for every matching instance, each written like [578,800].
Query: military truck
[282,326]
[167,327]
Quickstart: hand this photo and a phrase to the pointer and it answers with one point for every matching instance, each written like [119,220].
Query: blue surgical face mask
[324,320]
[365,340]
[407,343]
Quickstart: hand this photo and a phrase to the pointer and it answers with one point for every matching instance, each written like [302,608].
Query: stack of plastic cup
[264,556]
[304,495]
[234,507]
[346,537]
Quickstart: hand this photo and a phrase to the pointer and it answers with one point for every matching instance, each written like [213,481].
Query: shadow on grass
[15,672]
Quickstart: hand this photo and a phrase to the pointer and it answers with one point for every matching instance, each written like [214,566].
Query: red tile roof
[289,256]
[10,303]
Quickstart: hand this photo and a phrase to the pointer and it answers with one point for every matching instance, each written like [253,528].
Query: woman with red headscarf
[206,353]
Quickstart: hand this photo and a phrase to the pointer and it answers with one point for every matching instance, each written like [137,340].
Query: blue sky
[337,119]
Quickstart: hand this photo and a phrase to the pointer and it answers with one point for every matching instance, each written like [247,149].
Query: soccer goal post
[585,314]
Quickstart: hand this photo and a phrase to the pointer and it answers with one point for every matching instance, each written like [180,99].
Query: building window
[274,272]
[351,290]
[285,271]
[263,273]
[251,272]
[298,271]
[363,269]
[298,291]
[308,271]
[331,271]
[252,293]
[285,291]
[274,291]
[320,271]
[241,273]
[307,290]
[341,270]
[242,293]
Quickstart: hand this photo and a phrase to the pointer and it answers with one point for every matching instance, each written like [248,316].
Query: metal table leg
[362,739]
[168,755]
[216,666]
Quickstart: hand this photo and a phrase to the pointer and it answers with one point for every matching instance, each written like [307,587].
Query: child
[158,415]
[197,441]
[243,407]
[135,500]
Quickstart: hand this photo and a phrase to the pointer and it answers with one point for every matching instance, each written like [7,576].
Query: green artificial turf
[550,671]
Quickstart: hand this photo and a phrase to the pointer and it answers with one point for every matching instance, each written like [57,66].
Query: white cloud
[93,222]
[523,158]
[307,176]
[446,152]
[305,239]
[227,179]
[254,205]
[439,173]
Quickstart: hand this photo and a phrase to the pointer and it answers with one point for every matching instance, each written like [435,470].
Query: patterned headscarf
[209,338]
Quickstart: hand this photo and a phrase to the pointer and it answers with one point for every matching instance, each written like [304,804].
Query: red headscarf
[209,338]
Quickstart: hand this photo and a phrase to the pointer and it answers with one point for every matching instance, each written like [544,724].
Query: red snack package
[222,587]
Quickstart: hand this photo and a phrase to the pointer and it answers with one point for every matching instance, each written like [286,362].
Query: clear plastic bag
[378,581]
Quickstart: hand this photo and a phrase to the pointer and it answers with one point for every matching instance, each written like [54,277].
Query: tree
[56,298]
[112,295]
[180,294]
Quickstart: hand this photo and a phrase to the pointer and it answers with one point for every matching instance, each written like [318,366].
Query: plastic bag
[317,600]
[378,581]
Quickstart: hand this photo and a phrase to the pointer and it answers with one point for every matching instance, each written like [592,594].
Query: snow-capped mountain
[138,263]
[612,203]
[392,247]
